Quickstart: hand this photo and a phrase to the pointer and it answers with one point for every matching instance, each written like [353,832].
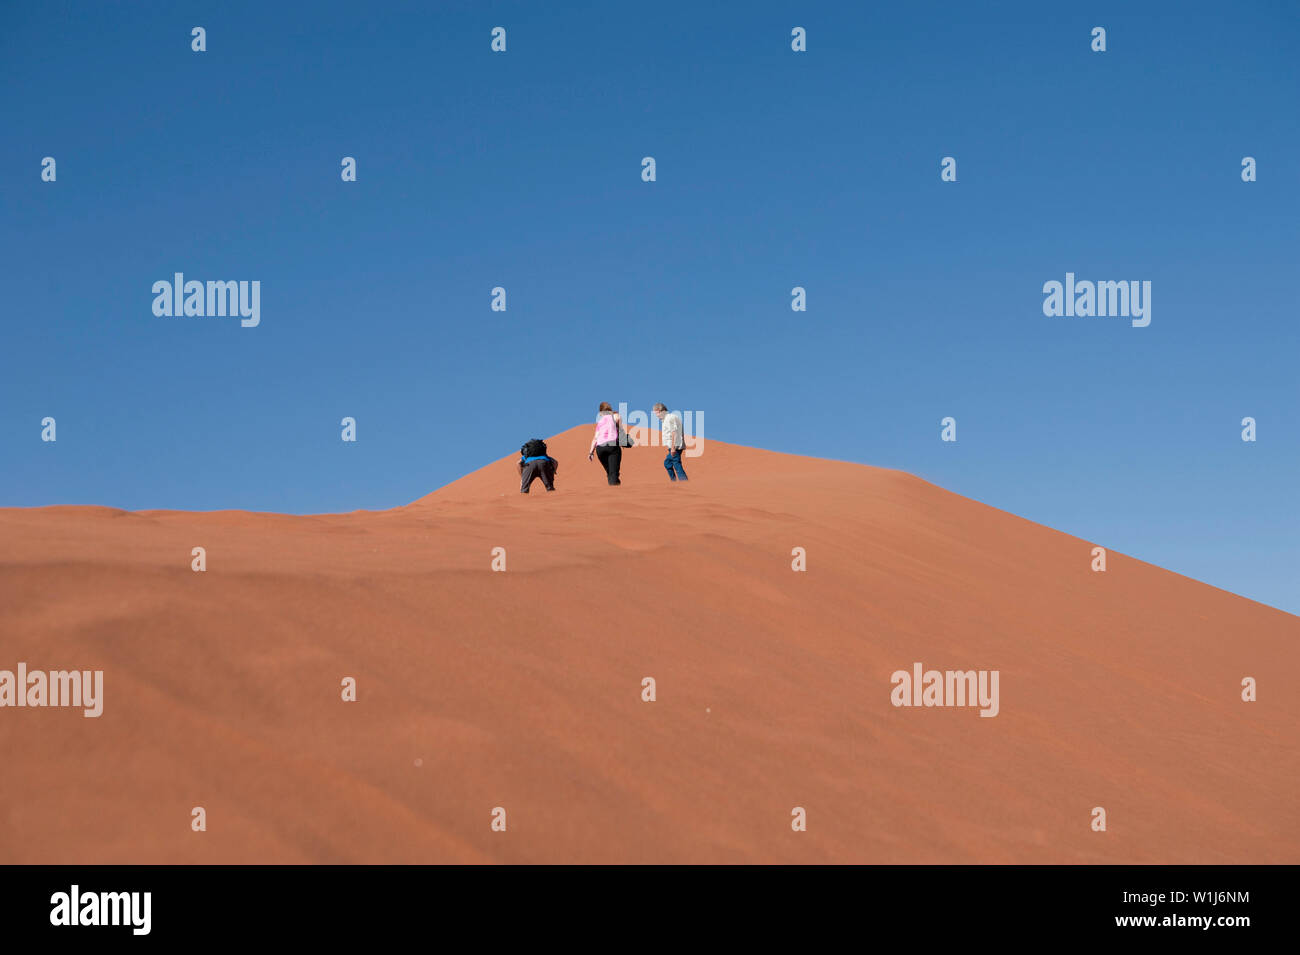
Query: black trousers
[537,469]
[611,456]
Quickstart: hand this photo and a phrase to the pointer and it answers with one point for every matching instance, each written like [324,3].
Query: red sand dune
[522,689]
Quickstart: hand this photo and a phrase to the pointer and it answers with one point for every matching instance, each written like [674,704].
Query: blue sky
[775,169]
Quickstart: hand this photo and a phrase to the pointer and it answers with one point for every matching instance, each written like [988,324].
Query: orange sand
[523,689]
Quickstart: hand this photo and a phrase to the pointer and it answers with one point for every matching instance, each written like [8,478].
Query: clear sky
[775,169]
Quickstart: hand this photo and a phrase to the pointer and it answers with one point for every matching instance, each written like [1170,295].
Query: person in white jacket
[674,441]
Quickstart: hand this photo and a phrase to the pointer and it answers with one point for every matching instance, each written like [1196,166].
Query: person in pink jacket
[605,442]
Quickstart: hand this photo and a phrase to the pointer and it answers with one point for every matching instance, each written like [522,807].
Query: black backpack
[533,448]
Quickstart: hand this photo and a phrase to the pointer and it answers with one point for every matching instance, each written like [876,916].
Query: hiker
[674,441]
[535,463]
[606,443]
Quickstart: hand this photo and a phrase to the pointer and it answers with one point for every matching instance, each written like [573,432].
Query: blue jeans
[673,464]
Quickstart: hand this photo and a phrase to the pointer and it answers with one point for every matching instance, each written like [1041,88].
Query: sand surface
[523,689]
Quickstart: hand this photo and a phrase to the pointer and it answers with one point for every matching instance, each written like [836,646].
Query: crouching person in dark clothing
[535,463]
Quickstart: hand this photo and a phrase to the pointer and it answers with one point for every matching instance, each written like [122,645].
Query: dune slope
[522,689]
